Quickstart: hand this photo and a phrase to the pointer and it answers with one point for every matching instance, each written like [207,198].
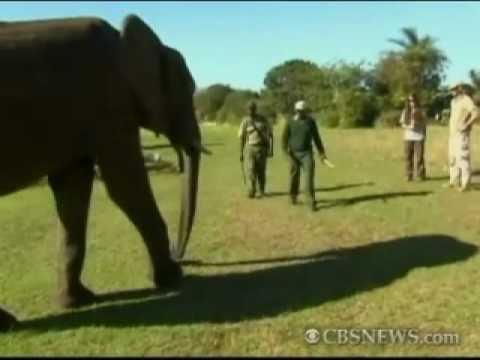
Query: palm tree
[423,61]
[475,79]
[475,90]
[411,39]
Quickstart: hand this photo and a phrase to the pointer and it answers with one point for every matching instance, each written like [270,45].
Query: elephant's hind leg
[72,189]
[7,320]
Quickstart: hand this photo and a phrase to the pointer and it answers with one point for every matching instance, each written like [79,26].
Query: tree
[292,81]
[209,101]
[266,105]
[475,80]
[440,104]
[335,93]
[417,67]
[235,106]
[356,108]
[347,100]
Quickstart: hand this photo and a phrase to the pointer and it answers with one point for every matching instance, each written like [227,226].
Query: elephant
[181,160]
[74,94]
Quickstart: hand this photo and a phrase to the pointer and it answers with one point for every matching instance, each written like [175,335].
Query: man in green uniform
[256,132]
[297,137]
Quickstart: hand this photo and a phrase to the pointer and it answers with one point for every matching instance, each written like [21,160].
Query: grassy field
[379,253]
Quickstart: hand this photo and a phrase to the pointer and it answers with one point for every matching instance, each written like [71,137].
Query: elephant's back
[51,55]
[18,32]
[55,38]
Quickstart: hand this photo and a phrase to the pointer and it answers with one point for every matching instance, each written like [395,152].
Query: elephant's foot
[168,275]
[7,321]
[76,297]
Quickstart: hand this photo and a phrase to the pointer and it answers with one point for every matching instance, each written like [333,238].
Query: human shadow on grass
[282,259]
[446,177]
[330,203]
[323,189]
[437,178]
[323,204]
[474,187]
[238,296]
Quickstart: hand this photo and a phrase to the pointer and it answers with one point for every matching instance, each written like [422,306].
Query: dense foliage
[343,94]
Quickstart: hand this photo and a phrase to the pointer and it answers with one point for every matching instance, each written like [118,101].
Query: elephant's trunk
[189,200]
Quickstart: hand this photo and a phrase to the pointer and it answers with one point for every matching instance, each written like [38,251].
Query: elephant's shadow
[301,283]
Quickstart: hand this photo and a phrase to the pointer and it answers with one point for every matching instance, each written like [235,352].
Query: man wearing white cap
[463,114]
[297,138]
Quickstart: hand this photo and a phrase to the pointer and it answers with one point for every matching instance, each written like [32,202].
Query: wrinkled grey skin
[75,92]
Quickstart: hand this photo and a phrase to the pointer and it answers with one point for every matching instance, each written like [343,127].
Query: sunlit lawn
[380,253]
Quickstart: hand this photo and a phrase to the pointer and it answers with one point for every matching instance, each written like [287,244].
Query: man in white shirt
[462,116]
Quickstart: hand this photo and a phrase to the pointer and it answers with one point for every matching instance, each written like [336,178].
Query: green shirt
[257,131]
[298,135]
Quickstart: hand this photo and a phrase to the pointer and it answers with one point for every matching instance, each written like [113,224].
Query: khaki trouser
[459,159]
[256,168]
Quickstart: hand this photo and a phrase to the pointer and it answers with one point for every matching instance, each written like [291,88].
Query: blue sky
[236,43]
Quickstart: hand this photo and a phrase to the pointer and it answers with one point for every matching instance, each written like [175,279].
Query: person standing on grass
[462,116]
[297,137]
[414,123]
[256,132]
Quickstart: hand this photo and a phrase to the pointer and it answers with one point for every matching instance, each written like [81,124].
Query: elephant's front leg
[126,180]
[72,188]
[181,163]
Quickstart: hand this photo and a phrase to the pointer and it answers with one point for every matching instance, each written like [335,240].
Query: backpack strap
[265,141]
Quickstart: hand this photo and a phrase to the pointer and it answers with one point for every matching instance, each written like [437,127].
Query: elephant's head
[163,88]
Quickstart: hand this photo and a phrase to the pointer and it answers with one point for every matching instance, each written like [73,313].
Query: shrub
[235,106]
[356,109]
[388,119]
[328,118]
[209,101]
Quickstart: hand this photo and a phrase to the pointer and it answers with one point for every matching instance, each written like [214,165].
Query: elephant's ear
[141,61]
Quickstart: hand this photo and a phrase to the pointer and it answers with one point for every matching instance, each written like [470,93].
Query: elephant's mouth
[189,199]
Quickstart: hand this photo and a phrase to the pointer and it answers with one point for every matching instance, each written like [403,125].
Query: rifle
[243,173]
[242,151]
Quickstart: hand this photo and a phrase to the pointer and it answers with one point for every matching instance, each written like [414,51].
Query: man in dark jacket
[297,138]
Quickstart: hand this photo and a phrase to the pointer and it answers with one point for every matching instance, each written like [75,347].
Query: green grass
[380,252]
